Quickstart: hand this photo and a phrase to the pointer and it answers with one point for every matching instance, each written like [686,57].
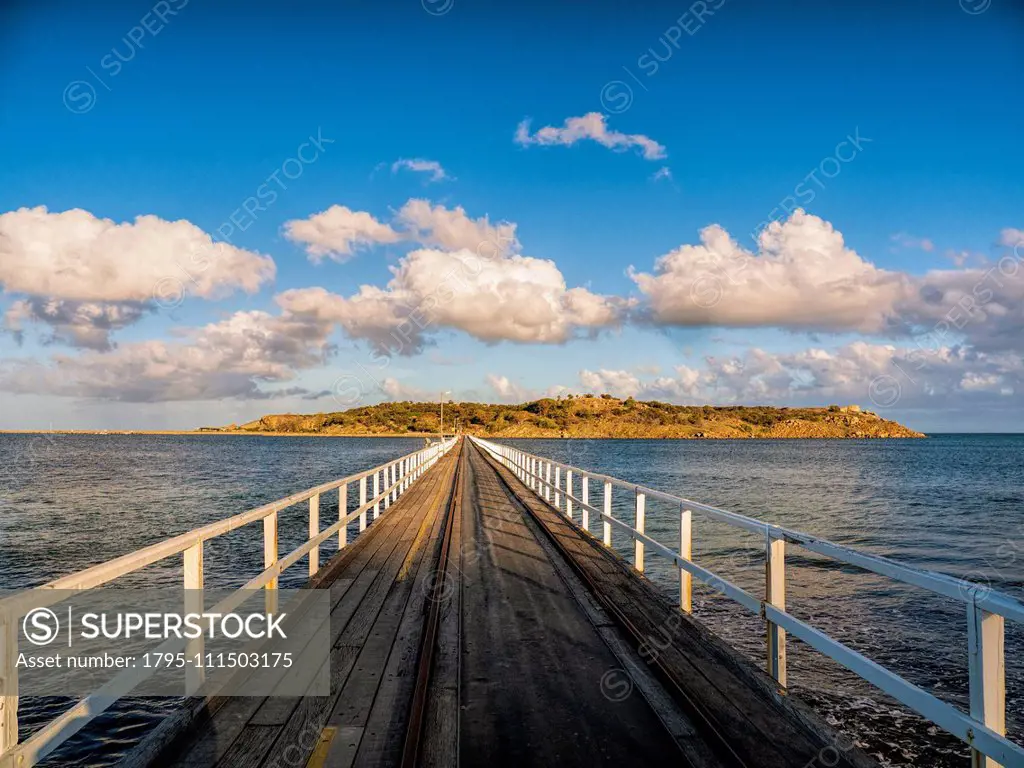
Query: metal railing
[389,481]
[983,729]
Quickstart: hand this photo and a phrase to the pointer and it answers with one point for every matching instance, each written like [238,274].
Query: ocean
[953,503]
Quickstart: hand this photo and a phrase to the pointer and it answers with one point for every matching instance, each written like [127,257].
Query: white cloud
[663,173]
[626,384]
[338,233]
[876,376]
[508,391]
[229,359]
[420,165]
[86,277]
[803,277]
[592,126]
[452,229]
[515,298]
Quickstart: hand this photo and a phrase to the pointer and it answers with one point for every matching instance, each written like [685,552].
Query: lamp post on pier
[446,392]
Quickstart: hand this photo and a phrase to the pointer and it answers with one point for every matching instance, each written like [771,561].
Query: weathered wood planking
[245,731]
[766,727]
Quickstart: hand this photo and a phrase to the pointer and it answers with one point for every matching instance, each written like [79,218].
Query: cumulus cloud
[338,233]
[84,324]
[86,277]
[233,358]
[507,390]
[803,277]
[627,384]
[514,298]
[452,229]
[593,127]
[420,165]
[877,376]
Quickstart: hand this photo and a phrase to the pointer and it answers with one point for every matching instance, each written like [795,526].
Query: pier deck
[474,624]
[481,617]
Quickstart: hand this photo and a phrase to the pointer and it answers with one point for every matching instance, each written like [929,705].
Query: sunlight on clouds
[86,277]
[592,126]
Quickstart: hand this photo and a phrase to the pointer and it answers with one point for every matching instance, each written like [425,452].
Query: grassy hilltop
[586,416]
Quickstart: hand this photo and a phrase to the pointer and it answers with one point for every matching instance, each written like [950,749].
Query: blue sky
[182,110]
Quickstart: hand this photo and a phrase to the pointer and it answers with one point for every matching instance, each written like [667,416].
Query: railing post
[585,498]
[568,493]
[639,523]
[558,485]
[685,552]
[314,530]
[547,480]
[342,512]
[193,583]
[775,593]
[987,669]
[387,486]
[608,512]
[9,681]
[269,558]
[362,503]
[401,475]
[376,494]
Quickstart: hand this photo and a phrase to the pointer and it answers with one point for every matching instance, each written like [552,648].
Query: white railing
[984,729]
[389,481]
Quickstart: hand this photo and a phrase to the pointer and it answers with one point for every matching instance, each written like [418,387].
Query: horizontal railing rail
[983,729]
[389,481]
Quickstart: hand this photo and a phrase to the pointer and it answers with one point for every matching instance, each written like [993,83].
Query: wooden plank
[765,727]
[388,717]
[532,663]
[349,575]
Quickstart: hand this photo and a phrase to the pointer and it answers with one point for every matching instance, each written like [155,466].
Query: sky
[209,212]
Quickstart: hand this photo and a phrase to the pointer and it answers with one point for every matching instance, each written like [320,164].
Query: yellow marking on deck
[323,746]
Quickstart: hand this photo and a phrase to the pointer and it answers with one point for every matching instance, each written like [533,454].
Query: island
[583,416]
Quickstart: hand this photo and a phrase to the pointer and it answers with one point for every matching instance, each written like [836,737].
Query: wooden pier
[479,622]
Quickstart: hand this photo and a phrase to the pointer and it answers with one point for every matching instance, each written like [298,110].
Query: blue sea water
[953,503]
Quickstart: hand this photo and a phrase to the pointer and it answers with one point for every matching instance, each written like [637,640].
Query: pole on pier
[376,495]
[342,512]
[270,558]
[314,531]
[585,498]
[558,486]
[608,513]
[362,503]
[685,552]
[775,593]
[639,522]
[568,493]
[987,668]
[9,681]
[193,583]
